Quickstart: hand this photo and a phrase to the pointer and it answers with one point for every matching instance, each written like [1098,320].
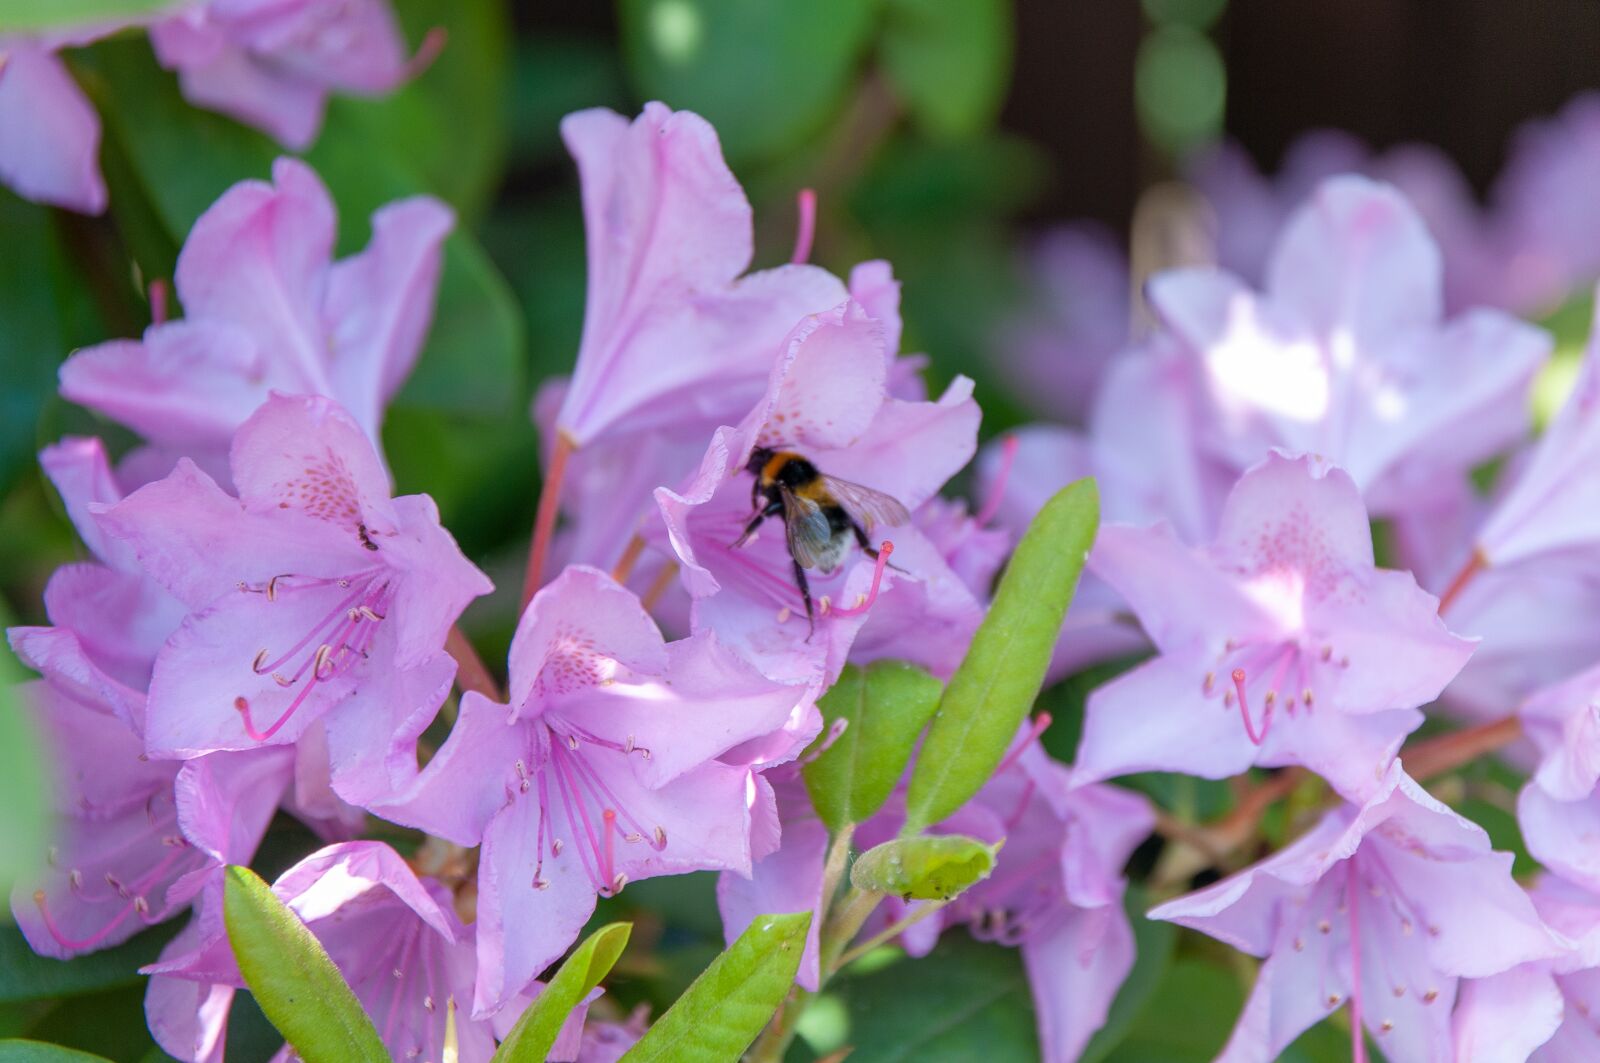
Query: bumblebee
[820,513]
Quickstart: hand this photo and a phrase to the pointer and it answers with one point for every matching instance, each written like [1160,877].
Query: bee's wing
[810,535]
[867,507]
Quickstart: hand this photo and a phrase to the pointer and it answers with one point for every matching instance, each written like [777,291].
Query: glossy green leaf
[31,341]
[933,867]
[25,975]
[296,984]
[721,1013]
[765,73]
[964,1001]
[885,705]
[949,61]
[1187,1019]
[21,16]
[18,1051]
[530,1039]
[25,783]
[993,689]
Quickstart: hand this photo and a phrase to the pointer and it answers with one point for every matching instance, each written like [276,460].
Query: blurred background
[953,137]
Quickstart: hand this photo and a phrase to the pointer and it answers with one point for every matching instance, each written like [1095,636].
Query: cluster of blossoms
[264,626]
[271,64]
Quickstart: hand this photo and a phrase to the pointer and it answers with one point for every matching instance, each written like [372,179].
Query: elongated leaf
[31,341]
[17,1051]
[721,1013]
[991,692]
[293,980]
[533,1035]
[885,706]
[928,868]
[19,16]
[949,60]
[963,1001]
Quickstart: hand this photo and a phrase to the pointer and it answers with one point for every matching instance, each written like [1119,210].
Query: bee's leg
[867,547]
[805,593]
[772,509]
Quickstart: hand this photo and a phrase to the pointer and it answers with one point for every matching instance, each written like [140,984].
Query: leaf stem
[889,933]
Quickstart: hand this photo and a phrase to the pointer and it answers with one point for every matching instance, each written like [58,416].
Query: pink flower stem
[471,672]
[158,301]
[997,491]
[544,522]
[1475,564]
[1358,1037]
[806,226]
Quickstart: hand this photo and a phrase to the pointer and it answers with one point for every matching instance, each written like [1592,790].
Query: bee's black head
[758,459]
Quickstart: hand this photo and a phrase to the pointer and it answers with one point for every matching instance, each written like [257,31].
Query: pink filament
[432,44]
[877,577]
[1040,723]
[997,492]
[117,920]
[1244,711]
[806,226]
[1358,1038]
[158,301]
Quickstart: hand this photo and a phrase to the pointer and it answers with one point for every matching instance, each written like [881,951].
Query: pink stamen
[997,491]
[806,226]
[432,44]
[608,855]
[1040,723]
[93,940]
[877,577]
[158,301]
[1244,711]
[1358,1037]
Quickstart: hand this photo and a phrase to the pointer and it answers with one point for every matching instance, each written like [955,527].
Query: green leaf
[965,1000]
[530,1039]
[1187,1019]
[886,705]
[994,687]
[31,341]
[933,867]
[765,73]
[296,984]
[20,16]
[721,1013]
[25,786]
[25,975]
[949,61]
[17,1051]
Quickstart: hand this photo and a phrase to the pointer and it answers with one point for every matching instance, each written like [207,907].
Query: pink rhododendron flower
[1564,722]
[1280,643]
[1077,323]
[1251,210]
[267,309]
[827,400]
[312,594]
[274,63]
[1554,505]
[395,937]
[1345,355]
[1545,199]
[1386,904]
[615,760]
[677,339]
[49,132]
[1540,1011]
